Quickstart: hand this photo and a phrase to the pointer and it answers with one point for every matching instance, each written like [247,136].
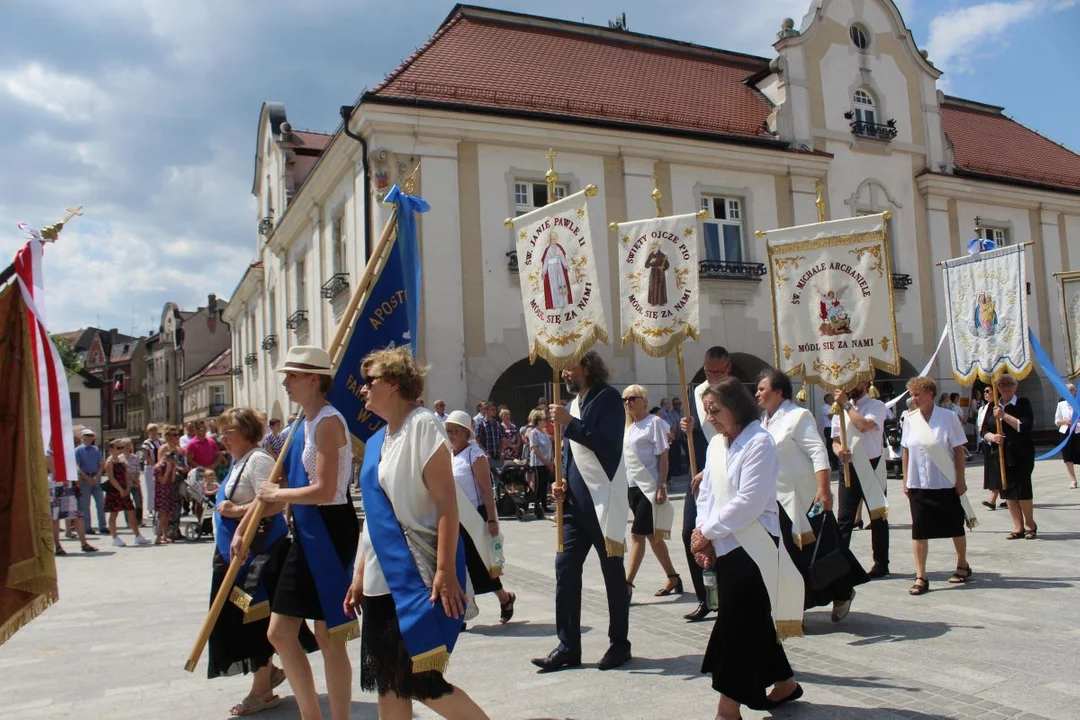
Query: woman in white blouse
[645,453]
[541,460]
[472,473]
[415,472]
[743,655]
[933,440]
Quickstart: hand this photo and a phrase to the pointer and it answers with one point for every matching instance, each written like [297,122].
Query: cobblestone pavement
[1002,646]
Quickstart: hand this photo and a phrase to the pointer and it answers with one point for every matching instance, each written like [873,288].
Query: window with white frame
[864,107]
[999,235]
[722,228]
[301,285]
[217,394]
[529,196]
[338,241]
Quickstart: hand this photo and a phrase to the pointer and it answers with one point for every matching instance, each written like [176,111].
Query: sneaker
[140,540]
[118,542]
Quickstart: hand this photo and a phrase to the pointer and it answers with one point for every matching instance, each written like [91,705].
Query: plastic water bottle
[497,557]
[712,594]
[816,509]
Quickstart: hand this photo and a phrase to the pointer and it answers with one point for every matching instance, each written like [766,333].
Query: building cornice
[998,192]
[250,286]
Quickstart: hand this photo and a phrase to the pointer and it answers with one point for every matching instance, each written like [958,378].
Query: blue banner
[1059,384]
[389,318]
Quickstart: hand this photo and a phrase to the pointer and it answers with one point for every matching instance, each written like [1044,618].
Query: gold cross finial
[551,177]
[551,158]
[657,196]
[978,225]
[72,212]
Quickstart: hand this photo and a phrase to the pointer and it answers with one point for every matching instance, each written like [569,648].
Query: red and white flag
[53,398]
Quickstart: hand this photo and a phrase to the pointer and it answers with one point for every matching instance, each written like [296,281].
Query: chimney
[211,312]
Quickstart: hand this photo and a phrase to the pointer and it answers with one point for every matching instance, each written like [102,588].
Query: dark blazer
[1019,448]
[600,428]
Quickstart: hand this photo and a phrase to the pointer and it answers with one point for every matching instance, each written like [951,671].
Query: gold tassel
[614,549]
[433,660]
[835,409]
[873,392]
[801,395]
[787,629]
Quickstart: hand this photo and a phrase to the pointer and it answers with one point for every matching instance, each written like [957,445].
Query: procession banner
[833,300]
[1070,315]
[560,292]
[658,282]
[986,311]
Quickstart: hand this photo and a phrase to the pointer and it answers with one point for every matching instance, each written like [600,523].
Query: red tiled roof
[986,142]
[314,140]
[221,365]
[570,70]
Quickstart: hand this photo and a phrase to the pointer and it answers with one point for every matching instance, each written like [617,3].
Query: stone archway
[890,385]
[520,386]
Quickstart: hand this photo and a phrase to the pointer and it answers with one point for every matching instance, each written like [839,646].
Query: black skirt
[479,573]
[991,475]
[743,655]
[1071,452]
[296,594]
[828,538]
[643,512]
[935,514]
[385,665]
[238,647]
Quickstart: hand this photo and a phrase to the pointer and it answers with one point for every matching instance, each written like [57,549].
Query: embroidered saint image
[556,268]
[835,320]
[658,265]
[985,317]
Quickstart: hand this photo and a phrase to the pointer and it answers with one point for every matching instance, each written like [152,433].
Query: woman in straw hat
[408,584]
[472,473]
[315,575]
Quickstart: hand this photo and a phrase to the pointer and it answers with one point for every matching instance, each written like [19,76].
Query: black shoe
[557,660]
[700,613]
[91,531]
[792,697]
[878,571]
[614,657]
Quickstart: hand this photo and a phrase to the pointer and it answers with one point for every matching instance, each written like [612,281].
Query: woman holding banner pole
[408,585]
[1015,445]
[316,572]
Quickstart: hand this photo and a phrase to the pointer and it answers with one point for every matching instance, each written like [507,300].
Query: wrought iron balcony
[237,370]
[267,223]
[512,261]
[251,359]
[337,284]
[296,320]
[731,270]
[269,342]
[901,281]
[874,131]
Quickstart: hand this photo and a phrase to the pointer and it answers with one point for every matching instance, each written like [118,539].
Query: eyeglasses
[367,380]
[631,398]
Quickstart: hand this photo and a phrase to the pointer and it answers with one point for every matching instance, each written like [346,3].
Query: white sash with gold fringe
[920,435]
[663,514]
[796,486]
[609,496]
[873,481]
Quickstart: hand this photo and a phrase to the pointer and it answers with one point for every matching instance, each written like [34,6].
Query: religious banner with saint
[986,311]
[1070,315]
[658,282]
[833,300]
[560,293]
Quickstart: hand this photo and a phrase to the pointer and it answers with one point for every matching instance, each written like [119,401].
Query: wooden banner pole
[256,513]
[1001,446]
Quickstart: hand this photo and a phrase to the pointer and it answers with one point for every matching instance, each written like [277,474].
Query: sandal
[88,548]
[507,610]
[961,575]
[58,551]
[921,586]
[1032,533]
[251,705]
[990,505]
[669,589]
[277,676]
[1015,535]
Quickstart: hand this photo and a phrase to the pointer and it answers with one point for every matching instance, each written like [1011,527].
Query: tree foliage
[68,354]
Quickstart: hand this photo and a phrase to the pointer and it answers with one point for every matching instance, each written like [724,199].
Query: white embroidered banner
[564,312]
[658,282]
[1070,316]
[986,309]
[833,300]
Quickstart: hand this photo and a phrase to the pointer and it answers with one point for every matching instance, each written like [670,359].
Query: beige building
[87,394]
[209,391]
[847,99]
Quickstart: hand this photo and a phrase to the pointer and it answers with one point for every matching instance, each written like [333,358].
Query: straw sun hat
[307,359]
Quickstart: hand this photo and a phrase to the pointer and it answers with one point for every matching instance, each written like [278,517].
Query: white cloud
[958,37]
[68,97]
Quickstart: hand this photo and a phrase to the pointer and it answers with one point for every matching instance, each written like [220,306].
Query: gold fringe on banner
[437,660]
[633,335]
[584,341]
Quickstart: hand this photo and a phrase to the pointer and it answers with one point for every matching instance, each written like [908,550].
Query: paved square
[1002,646]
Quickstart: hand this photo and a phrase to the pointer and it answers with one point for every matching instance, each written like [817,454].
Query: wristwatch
[848,405]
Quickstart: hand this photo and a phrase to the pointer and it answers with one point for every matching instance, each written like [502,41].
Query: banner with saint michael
[1070,315]
[560,292]
[833,300]
[658,282]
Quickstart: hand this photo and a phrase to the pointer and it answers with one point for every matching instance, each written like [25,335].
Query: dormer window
[859,37]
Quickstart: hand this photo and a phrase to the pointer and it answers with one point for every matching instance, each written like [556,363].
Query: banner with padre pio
[560,292]
[986,310]
[658,282]
[1070,315]
[833,300]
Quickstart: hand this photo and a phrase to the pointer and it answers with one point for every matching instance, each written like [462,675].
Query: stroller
[512,493]
[191,490]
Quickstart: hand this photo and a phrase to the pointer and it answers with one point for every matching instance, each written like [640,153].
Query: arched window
[859,37]
[864,107]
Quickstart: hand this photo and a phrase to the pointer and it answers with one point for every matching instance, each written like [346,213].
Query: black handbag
[833,565]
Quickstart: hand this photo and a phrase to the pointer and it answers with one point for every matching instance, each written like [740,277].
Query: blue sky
[145,111]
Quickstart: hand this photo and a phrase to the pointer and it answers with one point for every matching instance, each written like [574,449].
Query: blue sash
[254,602]
[332,577]
[429,633]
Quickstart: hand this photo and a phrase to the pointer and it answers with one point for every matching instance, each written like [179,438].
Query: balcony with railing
[297,320]
[725,270]
[901,281]
[512,261]
[337,284]
[237,371]
[251,359]
[872,130]
[269,342]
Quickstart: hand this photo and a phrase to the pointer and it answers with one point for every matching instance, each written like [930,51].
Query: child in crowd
[134,474]
[118,495]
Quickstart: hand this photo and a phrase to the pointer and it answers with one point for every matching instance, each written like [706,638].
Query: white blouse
[247,475]
[401,469]
[462,463]
[949,433]
[647,438]
[752,466]
[344,470]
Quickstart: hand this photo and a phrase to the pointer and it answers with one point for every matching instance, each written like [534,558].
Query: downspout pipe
[346,116]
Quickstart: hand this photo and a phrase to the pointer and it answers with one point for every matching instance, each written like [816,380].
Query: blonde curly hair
[398,366]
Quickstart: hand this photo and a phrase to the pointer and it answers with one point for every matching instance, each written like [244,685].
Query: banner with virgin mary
[560,292]
[1069,287]
[833,300]
[986,310]
[658,282]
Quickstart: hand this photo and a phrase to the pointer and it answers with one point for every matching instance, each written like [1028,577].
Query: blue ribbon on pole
[1059,384]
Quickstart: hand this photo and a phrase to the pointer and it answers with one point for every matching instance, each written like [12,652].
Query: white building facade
[848,100]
